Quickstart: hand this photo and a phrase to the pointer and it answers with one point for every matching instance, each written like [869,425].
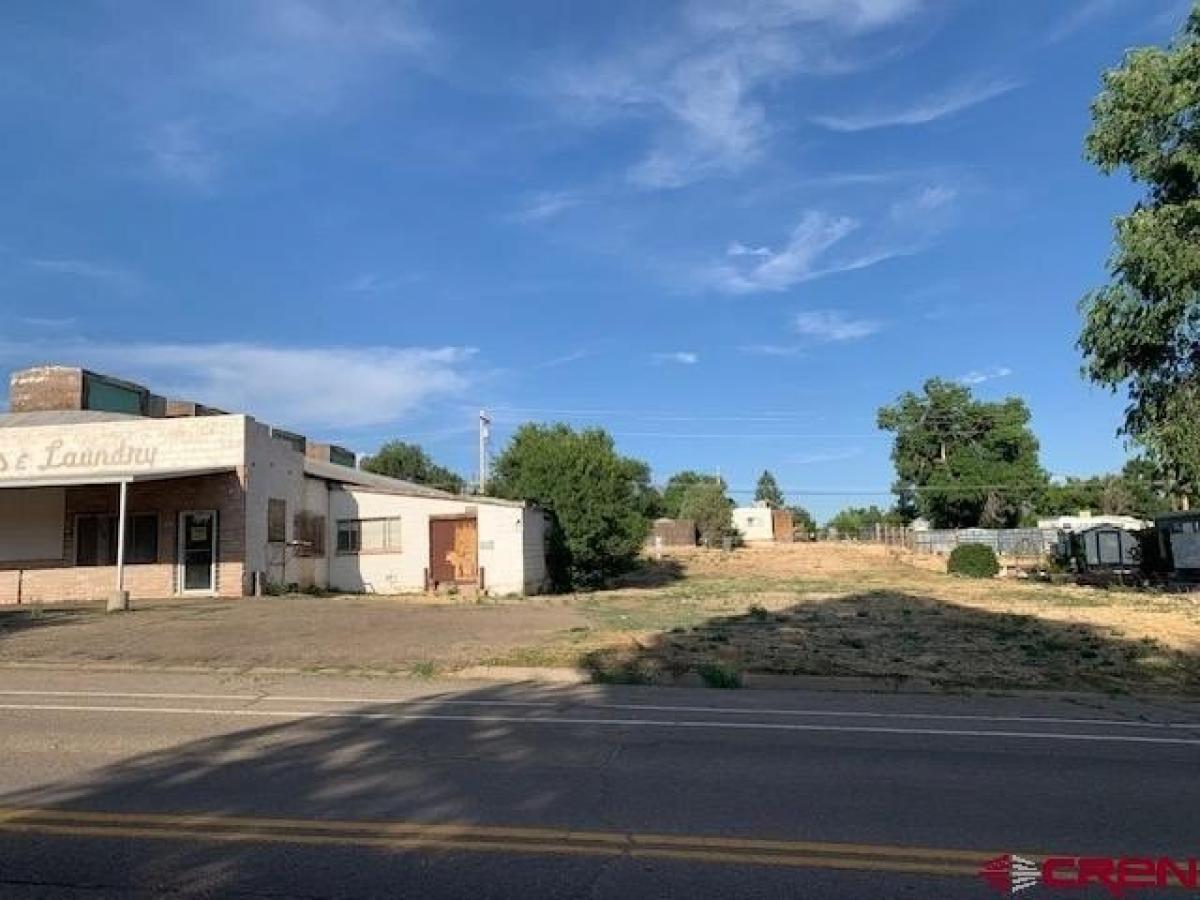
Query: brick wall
[57,580]
[45,387]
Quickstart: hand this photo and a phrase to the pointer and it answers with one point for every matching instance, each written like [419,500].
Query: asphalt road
[198,785]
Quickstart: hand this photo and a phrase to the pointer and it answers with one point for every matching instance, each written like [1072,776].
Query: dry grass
[367,633]
[845,609]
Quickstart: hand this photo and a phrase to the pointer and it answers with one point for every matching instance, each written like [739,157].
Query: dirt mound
[803,560]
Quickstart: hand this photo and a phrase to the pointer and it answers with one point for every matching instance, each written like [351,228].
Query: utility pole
[485,434]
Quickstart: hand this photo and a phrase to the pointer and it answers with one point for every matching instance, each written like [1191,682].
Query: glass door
[197,551]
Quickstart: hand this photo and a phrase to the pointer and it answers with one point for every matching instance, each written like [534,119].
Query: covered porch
[156,533]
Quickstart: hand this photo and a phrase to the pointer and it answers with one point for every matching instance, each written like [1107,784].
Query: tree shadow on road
[512,757]
[898,638]
[15,619]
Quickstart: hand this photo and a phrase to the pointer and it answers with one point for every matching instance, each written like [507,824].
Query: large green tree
[677,485]
[962,462]
[398,459]
[705,504]
[596,496]
[1142,329]
[767,490]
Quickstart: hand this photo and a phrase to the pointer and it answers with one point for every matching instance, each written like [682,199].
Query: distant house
[762,523]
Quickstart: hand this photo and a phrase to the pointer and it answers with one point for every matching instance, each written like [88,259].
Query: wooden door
[454,551]
[782,526]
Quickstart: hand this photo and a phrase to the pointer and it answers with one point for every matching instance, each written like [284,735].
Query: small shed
[673,533]
[1106,551]
[1179,544]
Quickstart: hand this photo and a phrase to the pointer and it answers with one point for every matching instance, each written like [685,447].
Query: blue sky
[727,232]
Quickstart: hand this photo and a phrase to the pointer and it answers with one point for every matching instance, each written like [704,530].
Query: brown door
[782,526]
[454,551]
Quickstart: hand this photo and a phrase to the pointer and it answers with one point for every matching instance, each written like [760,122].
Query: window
[96,539]
[349,536]
[368,535]
[276,521]
[309,529]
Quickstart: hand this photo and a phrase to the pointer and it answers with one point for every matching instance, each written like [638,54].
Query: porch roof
[75,479]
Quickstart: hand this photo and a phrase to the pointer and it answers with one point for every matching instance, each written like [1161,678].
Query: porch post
[120,598]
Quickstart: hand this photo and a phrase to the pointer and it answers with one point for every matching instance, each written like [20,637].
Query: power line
[650,414]
[741,434]
[916,489]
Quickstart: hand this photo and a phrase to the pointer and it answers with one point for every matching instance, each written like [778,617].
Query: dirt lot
[855,610]
[804,609]
[297,632]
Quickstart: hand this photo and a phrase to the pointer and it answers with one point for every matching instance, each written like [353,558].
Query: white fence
[1005,541]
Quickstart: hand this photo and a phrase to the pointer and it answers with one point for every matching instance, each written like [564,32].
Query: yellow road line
[463,845]
[467,837]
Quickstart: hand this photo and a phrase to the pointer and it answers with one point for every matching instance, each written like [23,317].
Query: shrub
[720,676]
[974,561]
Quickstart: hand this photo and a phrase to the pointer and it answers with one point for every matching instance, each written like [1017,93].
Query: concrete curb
[545,674]
[750,680]
[567,676]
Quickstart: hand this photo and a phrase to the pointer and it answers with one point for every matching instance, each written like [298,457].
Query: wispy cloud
[178,153]
[930,109]
[252,65]
[306,56]
[979,376]
[699,87]
[794,262]
[327,387]
[544,205]
[785,350]
[737,248]
[111,276]
[1082,14]
[824,244]
[678,357]
[566,359]
[833,325]
[51,322]
[923,203]
[373,283]
[808,459]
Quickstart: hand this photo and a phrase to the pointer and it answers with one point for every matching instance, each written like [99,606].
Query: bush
[974,561]
[720,676]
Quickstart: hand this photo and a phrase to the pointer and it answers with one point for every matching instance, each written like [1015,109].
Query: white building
[755,523]
[108,489]
[1086,519]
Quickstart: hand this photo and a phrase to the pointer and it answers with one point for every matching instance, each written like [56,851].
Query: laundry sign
[58,454]
[30,452]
